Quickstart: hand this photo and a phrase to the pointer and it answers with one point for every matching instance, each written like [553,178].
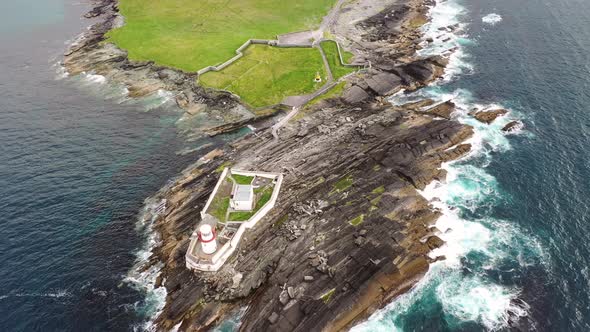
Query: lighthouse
[207,239]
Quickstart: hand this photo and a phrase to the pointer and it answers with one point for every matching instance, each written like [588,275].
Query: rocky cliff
[349,231]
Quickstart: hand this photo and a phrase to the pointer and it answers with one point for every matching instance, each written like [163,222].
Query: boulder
[512,126]
[284,297]
[355,94]
[443,110]
[489,116]
[434,242]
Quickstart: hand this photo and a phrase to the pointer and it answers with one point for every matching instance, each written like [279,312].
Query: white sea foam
[94,78]
[58,293]
[60,71]
[447,32]
[158,99]
[464,292]
[144,280]
[492,19]
[119,93]
[473,299]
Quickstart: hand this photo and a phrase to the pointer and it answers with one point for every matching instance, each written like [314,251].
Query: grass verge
[242,179]
[331,50]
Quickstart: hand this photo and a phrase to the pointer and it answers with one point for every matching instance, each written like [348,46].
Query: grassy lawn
[219,207]
[190,35]
[266,75]
[242,179]
[239,216]
[331,50]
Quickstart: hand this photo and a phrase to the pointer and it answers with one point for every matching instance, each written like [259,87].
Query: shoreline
[171,247]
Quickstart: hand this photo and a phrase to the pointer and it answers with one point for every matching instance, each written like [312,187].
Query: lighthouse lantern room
[207,237]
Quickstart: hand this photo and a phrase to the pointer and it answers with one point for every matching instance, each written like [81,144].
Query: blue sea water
[515,211]
[77,161]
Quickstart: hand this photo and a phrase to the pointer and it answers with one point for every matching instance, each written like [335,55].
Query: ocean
[515,211]
[78,160]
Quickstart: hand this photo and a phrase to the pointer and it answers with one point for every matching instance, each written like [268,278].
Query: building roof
[243,192]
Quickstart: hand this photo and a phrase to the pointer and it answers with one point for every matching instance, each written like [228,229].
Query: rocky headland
[350,230]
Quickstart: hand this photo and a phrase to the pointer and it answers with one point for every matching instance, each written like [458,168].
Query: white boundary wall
[223,253]
[219,182]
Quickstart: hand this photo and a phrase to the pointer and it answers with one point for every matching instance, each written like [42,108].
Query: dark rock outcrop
[384,83]
[326,255]
[512,126]
[355,94]
[443,110]
[387,153]
[489,116]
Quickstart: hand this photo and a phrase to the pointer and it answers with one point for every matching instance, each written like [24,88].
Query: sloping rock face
[513,126]
[443,110]
[349,216]
[489,116]
[384,83]
[350,230]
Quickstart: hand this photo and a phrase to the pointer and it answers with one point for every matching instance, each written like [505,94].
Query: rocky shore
[90,54]
[350,230]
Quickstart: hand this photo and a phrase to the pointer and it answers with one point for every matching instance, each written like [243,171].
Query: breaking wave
[59,293]
[463,290]
[491,19]
[144,280]
[95,84]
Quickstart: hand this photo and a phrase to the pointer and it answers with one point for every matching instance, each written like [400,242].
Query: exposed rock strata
[443,110]
[386,153]
[489,116]
[512,126]
[306,266]
[324,257]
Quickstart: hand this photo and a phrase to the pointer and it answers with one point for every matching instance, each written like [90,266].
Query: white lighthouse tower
[207,239]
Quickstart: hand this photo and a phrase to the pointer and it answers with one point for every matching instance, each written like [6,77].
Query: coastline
[464,199]
[421,170]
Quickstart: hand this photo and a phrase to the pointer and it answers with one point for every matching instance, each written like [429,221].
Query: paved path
[278,125]
[327,21]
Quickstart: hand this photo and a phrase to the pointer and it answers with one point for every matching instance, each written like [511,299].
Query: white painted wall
[229,247]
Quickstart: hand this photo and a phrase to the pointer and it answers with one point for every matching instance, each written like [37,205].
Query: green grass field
[331,50]
[242,179]
[190,34]
[266,75]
